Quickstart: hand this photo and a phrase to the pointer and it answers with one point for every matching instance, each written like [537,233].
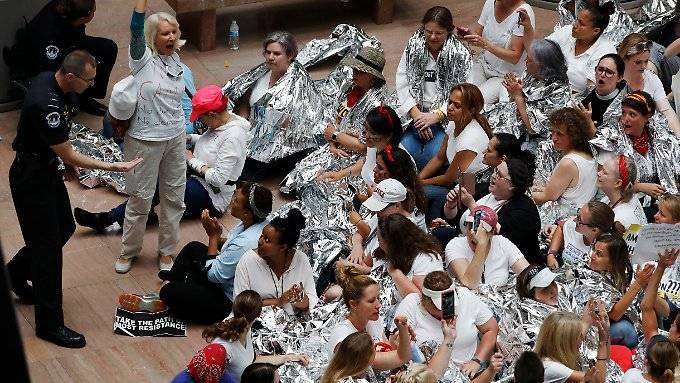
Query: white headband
[436,296]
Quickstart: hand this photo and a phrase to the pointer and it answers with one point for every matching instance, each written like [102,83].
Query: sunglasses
[640,47]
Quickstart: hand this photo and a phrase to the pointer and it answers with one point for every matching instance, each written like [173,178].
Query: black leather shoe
[91,106]
[63,336]
[95,221]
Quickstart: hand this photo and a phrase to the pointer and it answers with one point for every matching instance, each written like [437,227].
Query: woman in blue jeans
[610,257]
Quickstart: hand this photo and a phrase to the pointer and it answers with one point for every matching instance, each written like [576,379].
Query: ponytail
[472,100]
[246,308]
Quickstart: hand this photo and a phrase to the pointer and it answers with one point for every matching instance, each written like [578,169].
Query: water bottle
[232,40]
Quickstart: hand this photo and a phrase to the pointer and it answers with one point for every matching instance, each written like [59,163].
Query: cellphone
[477,219]
[449,305]
[462,32]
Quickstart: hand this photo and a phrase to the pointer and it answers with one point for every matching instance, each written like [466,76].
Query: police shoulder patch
[53,119]
[52,51]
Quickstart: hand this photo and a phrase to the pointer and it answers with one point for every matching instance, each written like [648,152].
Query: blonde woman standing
[157,133]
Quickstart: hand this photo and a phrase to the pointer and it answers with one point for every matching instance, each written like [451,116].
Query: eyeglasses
[640,47]
[579,221]
[90,82]
[606,72]
[434,34]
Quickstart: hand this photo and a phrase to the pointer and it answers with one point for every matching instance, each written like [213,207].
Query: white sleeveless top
[585,189]
[239,357]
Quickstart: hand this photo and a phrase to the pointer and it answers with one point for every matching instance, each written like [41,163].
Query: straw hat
[368,60]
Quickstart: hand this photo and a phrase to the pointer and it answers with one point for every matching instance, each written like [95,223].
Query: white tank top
[586,187]
[239,357]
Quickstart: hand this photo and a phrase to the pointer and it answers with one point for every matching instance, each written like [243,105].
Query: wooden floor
[91,286]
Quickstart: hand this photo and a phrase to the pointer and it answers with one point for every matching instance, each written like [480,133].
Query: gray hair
[287,41]
[550,59]
[151,29]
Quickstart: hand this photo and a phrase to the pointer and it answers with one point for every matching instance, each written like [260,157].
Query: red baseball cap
[207,99]
[488,216]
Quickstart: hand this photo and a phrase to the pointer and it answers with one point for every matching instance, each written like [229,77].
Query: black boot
[95,221]
[62,336]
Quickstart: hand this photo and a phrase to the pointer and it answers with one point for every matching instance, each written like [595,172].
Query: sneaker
[165,262]
[95,221]
[137,303]
[123,265]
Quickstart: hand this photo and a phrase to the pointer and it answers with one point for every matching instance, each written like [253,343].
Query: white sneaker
[165,262]
[123,265]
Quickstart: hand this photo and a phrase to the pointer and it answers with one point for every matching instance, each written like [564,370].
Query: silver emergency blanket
[344,39]
[453,66]
[93,144]
[653,14]
[542,97]
[620,23]
[322,159]
[664,146]
[284,120]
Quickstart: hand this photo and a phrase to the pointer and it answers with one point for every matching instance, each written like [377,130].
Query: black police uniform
[51,37]
[40,198]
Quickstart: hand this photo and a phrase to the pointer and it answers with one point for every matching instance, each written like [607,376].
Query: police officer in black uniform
[58,29]
[39,194]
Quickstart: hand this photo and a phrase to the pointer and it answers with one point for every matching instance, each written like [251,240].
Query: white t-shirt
[555,372]
[500,34]
[488,200]
[574,248]
[260,88]
[239,357]
[253,273]
[406,100]
[472,138]
[158,115]
[502,255]
[423,265]
[628,213]
[580,68]
[471,312]
[653,85]
[341,330]
[634,375]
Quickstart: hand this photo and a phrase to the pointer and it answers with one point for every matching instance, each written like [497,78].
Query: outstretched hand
[125,166]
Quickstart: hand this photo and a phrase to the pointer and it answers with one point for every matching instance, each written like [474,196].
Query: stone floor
[91,286]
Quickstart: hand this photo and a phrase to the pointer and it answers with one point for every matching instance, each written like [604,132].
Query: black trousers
[105,51]
[44,212]
[254,170]
[190,295]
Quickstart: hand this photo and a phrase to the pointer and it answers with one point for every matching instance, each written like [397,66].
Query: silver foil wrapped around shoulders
[454,63]
[542,97]
[285,119]
[93,144]
[653,14]
[620,23]
[344,39]
[664,150]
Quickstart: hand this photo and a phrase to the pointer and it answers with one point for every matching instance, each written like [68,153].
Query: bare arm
[564,175]
[350,142]
[66,152]
[487,344]
[437,161]
[461,161]
[511,54]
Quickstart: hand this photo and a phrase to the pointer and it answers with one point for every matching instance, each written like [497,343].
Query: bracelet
[598,358]
[440,115]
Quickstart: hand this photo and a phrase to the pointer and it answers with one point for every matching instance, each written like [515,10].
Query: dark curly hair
[262,197]
[289,227]
[600,14]
[383,120]
[405,241]
[641,102]
[574,124]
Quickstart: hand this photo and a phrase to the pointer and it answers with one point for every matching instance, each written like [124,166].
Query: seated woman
[648,143]
[201,281]
[235,335]
[360,294]
[620,25]
[572,182]
[517,213]
[615,178]
[476,327]
[439,365]
[559,342]
[467,136]
[669,209]
[609,84]
[502,42]
[352,358]
[208,365]
[483,256]
[635,52]
[277,97]
[572,239]
[544,88]
[216,162]
[409,254]
[583,44]
[433,61]
[610,257]
[537,283]
[281,274]
[261,373]
[345,133]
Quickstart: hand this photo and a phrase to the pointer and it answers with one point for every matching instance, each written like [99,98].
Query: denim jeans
[623,333]
[196,198]
[423,151]
[436,198]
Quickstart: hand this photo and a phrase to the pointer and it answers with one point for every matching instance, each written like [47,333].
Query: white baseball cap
[386,192]
[543,279]
[123,99]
